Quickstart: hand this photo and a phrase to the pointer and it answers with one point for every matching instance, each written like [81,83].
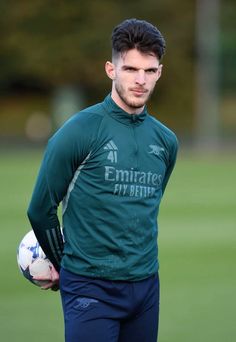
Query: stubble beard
[133,104]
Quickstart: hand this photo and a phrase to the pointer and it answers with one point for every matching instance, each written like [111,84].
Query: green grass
[197,251]
[27,313]
[197,239]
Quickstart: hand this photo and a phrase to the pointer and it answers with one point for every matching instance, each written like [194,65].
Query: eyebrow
[125,67]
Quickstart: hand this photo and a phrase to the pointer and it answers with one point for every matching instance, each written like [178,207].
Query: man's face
[134,76]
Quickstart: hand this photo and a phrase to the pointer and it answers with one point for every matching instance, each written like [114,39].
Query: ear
[159,71]
[110,70]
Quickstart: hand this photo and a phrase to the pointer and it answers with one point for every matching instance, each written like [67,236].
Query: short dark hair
[138,34]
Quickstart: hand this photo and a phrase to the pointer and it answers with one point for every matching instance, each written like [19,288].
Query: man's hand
[52,282]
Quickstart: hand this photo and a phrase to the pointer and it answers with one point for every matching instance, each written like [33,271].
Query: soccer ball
[32,261]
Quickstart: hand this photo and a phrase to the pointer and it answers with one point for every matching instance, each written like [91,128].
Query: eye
[151,71]
[130,69]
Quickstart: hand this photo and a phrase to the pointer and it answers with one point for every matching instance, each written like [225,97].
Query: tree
[53,43]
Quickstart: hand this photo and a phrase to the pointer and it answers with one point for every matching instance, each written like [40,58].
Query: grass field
[197,249]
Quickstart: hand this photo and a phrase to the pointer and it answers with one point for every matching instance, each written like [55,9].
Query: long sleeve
[110,172]
[61,159]
[172,160]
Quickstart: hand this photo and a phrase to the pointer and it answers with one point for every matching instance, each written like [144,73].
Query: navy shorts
[97,310]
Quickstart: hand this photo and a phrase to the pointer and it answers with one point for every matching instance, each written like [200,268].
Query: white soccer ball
[32,261]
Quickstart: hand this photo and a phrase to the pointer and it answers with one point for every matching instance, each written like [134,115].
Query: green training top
[109,169]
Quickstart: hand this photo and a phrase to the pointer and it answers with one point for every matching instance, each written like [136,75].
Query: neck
[128,109]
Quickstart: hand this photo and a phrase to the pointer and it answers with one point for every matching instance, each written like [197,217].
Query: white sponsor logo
[133,183]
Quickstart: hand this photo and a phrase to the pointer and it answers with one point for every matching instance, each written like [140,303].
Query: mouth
[138,91]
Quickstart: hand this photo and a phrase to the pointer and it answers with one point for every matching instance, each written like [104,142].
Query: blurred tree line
[48,44]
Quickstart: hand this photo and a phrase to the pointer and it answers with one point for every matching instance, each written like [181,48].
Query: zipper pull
[133,117]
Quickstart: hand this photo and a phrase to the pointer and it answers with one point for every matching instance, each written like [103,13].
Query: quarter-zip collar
[120,115]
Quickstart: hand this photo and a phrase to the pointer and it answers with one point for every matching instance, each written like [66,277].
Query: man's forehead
[135,56]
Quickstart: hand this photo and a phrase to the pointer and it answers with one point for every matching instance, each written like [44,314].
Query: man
[109,166]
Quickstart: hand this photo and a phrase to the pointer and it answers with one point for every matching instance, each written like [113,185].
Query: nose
[140,77]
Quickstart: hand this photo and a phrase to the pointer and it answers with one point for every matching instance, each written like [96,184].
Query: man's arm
[172,160]
[42,211]
[62,157]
